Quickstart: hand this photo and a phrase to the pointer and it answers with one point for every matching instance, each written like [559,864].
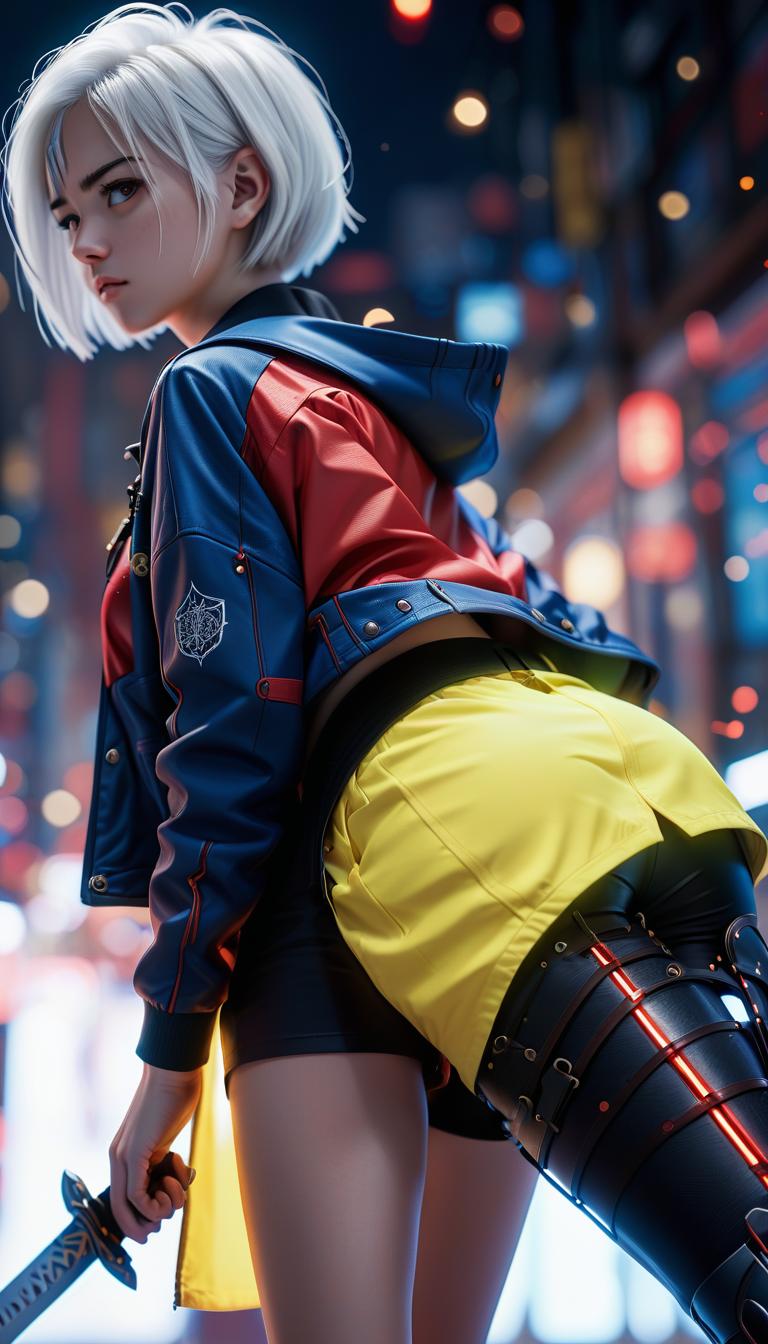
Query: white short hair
[197,91]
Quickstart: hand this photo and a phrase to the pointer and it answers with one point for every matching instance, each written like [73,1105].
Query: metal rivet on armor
[113,756]
[543,965]
[530,1053]
[239,569]
[402,604]
[370,628]
[537,1116]
[497,380]
[98,882]
[560,947]
[490,1064]
[538,614]
[500,1043]
[263,686]
[566,624]
[674,969]
[140,564]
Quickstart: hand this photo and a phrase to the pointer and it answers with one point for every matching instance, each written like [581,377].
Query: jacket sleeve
[228,605]
[630,679]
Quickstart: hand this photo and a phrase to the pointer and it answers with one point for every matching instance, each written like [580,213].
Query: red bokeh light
[492,203]
[506,23]
[731,729]
[702,339]
[707,495]
[709,440]
[14,777]
[78,779]
[663,554]
[745,699]
[650,427]
[16,859]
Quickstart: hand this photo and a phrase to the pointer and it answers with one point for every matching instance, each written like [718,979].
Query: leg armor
[632,1088]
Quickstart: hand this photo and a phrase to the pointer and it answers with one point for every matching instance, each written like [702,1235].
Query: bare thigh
[331,1155]
[476,1197]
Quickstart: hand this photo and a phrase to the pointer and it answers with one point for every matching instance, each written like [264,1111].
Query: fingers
[136,1213]
[141,1200]
[176,1193]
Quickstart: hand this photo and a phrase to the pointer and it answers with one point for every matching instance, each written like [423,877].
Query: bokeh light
[688,68]
[506,23]
[674,205]
[470,111]
[744,699]
[593,571]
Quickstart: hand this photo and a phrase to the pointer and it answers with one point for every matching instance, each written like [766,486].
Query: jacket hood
[441,393]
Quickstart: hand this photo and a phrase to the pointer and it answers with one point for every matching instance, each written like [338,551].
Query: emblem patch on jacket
[199,623]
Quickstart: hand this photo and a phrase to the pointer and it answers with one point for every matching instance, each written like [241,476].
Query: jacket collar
[275,300]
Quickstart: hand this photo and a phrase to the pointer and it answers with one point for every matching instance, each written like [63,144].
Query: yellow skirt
[480,814]
[469,826]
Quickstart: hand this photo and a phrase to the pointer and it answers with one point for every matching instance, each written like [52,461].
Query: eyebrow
[90,178]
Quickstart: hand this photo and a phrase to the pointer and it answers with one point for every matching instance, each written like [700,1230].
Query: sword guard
[94,1213]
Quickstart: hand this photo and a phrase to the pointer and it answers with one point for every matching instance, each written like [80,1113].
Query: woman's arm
[228,605]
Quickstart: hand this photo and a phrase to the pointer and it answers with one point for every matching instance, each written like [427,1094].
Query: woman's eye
[106,190]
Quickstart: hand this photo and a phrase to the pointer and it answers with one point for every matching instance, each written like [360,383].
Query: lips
[105,283]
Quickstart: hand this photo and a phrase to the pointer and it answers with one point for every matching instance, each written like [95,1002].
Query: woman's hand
[162,1104]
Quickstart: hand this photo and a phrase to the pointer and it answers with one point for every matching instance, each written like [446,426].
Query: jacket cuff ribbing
[175,1040]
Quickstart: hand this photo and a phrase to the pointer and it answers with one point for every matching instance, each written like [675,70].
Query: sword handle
[162,1168]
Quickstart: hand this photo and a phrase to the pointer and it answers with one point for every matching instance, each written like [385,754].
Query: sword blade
[93,1234]
[44,1279]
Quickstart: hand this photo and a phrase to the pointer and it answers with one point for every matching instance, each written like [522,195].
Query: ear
[249,182]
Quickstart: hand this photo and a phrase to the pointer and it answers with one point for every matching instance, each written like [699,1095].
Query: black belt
[368,709]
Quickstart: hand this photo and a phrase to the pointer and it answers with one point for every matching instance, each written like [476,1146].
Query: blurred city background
[582,182]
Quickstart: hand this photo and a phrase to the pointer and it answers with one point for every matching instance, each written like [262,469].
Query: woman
[295,547]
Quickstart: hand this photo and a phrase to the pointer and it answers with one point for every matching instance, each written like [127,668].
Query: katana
[93,1234]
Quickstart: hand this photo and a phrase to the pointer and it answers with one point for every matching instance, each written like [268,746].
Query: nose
[87,249]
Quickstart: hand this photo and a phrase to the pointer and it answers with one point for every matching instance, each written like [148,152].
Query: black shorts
[297,988]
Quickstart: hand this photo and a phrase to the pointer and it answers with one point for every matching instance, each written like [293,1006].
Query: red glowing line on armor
[721,1113]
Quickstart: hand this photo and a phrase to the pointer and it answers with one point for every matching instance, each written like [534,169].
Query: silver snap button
[560,947]
[566,624]
[403,605]
[370,628]
[530,1053]
[98,882]
[500,1043]
[113,756]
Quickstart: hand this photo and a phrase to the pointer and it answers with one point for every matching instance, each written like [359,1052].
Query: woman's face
[113,229]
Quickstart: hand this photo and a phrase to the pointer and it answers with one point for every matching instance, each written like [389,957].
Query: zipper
[125,525]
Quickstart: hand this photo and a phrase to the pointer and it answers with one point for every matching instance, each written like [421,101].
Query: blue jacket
[295,509]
